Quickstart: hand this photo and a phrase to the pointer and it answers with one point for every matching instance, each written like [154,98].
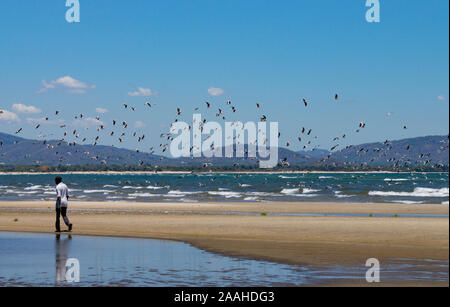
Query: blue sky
[268,52]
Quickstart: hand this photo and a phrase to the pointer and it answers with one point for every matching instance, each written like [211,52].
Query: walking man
[62,198]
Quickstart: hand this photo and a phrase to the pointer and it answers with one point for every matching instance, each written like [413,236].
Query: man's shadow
[61,256]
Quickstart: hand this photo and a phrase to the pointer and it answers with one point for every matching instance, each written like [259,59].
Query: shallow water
[39,260]
[414,188]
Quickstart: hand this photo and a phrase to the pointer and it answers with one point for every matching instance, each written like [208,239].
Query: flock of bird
[120,131]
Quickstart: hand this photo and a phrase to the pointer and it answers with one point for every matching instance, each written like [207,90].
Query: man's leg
[66,219]
[57,224]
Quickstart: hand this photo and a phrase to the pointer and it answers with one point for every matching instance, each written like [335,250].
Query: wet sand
[300,240]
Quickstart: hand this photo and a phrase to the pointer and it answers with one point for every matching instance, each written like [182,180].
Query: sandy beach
[299,240]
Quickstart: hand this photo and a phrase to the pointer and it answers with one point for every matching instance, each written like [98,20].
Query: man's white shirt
[62,191]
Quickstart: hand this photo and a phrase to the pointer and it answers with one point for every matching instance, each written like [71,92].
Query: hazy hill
[17,151]
[415,151]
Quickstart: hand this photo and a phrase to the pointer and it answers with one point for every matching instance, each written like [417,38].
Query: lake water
[39,260]
[414,188]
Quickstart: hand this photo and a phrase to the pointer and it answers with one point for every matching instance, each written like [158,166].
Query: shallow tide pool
[40,259]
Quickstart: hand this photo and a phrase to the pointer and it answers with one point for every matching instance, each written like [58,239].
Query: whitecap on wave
[418,192]
[226,194]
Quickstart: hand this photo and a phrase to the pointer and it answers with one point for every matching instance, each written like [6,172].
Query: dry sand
[316,241]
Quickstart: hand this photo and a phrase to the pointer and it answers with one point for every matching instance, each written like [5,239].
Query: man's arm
[58,198]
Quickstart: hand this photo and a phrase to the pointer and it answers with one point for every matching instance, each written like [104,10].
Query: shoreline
[218,207]
[314,241]
[208,172]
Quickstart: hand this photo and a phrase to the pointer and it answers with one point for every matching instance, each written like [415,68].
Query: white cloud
[141,92]
[442,98]
[72,85]
[8,116]
[101,110]
[21,108]
[214,91]
[139,124]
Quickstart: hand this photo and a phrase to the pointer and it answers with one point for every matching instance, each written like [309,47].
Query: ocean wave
[397,179]
[325,177]
[299,190]
[110,186]
[150,187]
[290,191]
[251,198]
[339,194]
[408,202]
[228,194]
[32,188]
[262,194]
[96,191]
[183,192]
[20,192]
[304,195]
[445,202]
[307,191]
[418,192]
[180,193]
[286,177]
[142,195]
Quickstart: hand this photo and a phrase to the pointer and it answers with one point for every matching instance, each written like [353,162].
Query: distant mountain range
[429,150]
